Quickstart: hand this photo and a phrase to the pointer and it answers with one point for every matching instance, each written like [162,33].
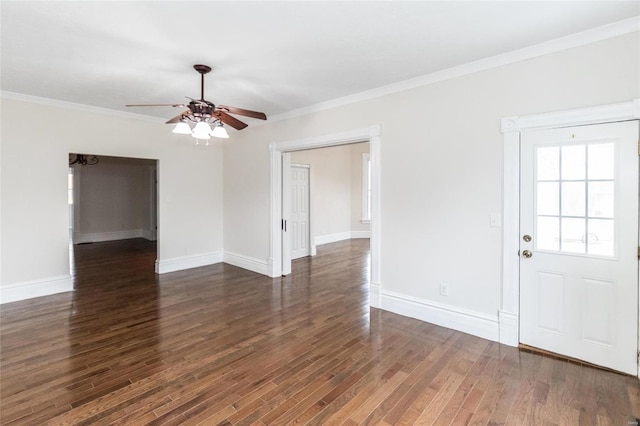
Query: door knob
[527,238]
[527,254]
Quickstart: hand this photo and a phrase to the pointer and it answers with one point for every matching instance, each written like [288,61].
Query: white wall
[34,185]
[334,199]
[113,199]
[441,168]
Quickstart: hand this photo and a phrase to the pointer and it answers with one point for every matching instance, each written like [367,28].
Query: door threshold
[549,354]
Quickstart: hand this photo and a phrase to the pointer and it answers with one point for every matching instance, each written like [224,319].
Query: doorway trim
[369,134]
[511,128]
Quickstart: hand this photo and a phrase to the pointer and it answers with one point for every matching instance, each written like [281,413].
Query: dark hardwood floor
[221,345]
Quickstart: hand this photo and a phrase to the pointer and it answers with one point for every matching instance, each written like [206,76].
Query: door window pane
[548,233]
[601,162]
[573,162]
[601,199]
[600,237]
[573,199]
[574,236]
[548,200]
[548,163]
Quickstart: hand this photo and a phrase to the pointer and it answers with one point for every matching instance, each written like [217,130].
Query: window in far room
[70,195]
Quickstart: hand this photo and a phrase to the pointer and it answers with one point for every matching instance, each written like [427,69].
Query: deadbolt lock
[527,253]
[527,238]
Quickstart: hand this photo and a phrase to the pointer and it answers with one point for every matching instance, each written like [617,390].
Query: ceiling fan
[203,114]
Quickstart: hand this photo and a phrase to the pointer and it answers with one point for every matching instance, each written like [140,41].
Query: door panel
[550,301]
[579,204]
[300,246]
[598,303]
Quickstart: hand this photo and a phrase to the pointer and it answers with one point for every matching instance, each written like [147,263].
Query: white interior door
[579,239]
[299,222]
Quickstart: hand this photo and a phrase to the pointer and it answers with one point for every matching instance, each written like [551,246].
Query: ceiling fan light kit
[208,118]
[202,130]
[219,132]
[182,128]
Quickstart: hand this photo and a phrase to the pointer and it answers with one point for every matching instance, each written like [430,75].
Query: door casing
[511,127]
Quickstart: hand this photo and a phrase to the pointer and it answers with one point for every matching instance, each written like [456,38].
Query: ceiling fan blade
[152,105]
[245,112]
[231,121]
[179,117]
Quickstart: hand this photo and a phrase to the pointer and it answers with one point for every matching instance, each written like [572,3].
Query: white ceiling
[268,56]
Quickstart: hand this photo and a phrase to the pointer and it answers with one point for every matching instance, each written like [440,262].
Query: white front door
[578,243]
[300,245]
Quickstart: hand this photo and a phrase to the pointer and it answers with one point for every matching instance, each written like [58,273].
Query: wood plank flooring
[221,345]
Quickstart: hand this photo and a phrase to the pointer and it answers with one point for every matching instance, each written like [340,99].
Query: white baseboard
[188,262]
[340,236]
[36,288]
[360,234]
[245,262]
[107,236]
[471,322]
[147,234]
[270,269]
[331,238]
[374,295]
[508,328]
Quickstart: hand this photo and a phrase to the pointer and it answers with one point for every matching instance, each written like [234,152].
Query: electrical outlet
[444,289]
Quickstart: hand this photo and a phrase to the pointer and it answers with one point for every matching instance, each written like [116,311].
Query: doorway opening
[326,198]
[111,199]
[279,263]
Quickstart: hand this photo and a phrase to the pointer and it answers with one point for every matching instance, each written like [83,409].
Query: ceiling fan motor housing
[201,110]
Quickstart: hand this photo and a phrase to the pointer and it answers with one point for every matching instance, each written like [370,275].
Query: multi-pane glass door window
[575,198]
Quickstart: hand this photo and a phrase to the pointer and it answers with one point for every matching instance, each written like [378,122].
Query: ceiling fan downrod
[202,69]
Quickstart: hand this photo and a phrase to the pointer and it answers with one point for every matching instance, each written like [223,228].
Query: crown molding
[593,35]
[13,96]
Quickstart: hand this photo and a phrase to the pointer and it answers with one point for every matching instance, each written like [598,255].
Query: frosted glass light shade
[182,128]
[220,132]
[202,130]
